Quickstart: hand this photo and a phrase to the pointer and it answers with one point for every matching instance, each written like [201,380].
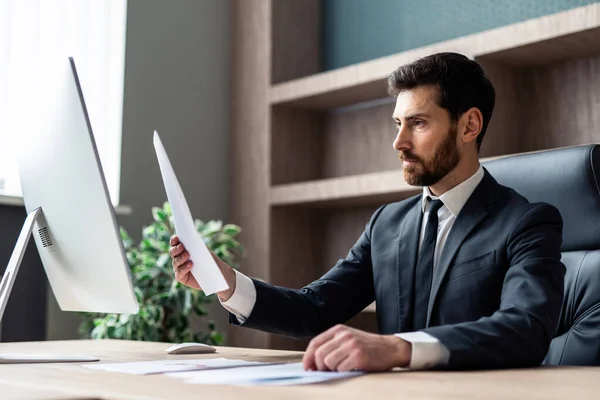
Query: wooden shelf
[561,36]
[374,188]
[347,190]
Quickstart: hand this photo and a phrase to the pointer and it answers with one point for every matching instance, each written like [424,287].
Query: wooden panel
[505,132]
[296,145]
[341,229]
[250,127]
[560,104]
[536,41]
[296,247]
[296,33]
[359,140]
[307,243]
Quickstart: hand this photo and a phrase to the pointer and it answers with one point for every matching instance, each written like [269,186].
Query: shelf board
[348,190]
[365,189]
[561,36]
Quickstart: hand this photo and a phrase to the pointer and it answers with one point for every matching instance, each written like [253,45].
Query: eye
[418,122]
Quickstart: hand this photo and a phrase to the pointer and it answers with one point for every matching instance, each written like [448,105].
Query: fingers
[176,250]
[174,240]
[180,259]
[330,354]
[337,356]
[182,274]
[352,362]
[309,359]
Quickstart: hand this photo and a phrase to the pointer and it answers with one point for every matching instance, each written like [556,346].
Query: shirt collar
[455,198]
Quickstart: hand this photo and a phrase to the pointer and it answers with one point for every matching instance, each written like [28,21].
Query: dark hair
[462,84]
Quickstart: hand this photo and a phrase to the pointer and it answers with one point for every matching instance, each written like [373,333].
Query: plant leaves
[231,229]
[163,260]
[165,304]
[167,208]
[159,215]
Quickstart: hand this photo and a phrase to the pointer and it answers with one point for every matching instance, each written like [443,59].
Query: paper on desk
[285,374]
[205,269]
[162,366]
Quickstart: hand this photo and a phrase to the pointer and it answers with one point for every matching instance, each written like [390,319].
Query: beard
[430,172]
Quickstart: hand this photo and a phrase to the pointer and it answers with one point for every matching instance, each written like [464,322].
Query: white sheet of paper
[163,366]
[205,269]
[283,374]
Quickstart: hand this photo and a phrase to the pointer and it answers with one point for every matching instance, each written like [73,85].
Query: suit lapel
[406,262]
[473,212]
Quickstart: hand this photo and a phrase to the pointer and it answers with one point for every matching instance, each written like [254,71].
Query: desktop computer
[70,215]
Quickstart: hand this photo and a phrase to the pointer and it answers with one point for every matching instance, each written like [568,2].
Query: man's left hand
[342,348]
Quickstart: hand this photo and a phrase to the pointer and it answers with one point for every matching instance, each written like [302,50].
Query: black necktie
[424,271]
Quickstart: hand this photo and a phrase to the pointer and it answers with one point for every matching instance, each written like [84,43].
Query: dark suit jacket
[496,293]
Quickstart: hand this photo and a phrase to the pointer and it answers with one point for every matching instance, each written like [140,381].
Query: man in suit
[466,275]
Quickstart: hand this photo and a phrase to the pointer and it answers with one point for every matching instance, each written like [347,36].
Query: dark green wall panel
[360,30]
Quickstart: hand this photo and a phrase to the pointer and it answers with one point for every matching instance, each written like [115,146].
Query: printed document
[284,374]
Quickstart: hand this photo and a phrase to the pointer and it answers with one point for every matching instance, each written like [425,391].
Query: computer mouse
[191,348]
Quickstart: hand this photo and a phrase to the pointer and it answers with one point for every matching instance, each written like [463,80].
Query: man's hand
[342,348]
[182,266]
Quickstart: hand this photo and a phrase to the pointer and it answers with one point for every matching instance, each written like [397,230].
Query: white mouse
[191,348]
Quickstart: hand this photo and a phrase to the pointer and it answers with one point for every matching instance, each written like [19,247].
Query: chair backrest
[569,179]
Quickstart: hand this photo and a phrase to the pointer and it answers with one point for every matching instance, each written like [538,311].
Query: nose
[402,141]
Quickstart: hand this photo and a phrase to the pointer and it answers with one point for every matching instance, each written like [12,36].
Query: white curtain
[35,31]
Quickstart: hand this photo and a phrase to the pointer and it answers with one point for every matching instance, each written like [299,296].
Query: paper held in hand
[205,269]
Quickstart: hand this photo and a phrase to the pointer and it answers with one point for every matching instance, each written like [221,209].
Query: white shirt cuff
[427,351]
[241,303]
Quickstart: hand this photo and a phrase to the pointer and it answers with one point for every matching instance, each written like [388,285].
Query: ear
[472,120]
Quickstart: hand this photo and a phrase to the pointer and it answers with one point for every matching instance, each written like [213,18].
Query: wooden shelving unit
[312,150]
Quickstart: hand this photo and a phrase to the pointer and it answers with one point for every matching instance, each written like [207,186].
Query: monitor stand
[5,288]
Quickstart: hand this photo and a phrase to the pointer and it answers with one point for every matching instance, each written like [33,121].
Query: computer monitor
[69,211]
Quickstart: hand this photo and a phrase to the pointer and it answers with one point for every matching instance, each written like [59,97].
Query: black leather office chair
[569,179]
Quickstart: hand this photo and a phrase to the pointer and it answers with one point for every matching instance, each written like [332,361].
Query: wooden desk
[71,381]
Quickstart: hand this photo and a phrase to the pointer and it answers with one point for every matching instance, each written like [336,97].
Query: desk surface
[72,381]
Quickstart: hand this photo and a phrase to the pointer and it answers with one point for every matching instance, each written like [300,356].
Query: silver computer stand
[6,285]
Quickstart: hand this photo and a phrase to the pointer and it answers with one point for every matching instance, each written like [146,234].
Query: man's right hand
[182,266]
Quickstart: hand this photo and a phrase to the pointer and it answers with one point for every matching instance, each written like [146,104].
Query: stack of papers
[271,375]
[163,366]
[221,371]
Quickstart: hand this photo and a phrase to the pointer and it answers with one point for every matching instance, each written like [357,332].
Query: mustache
[408,155]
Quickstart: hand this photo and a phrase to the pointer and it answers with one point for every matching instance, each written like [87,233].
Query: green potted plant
[166,306]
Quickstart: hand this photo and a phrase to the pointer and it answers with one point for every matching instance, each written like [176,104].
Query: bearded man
[465,275]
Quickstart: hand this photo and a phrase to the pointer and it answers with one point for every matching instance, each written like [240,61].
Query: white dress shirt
[427,351]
